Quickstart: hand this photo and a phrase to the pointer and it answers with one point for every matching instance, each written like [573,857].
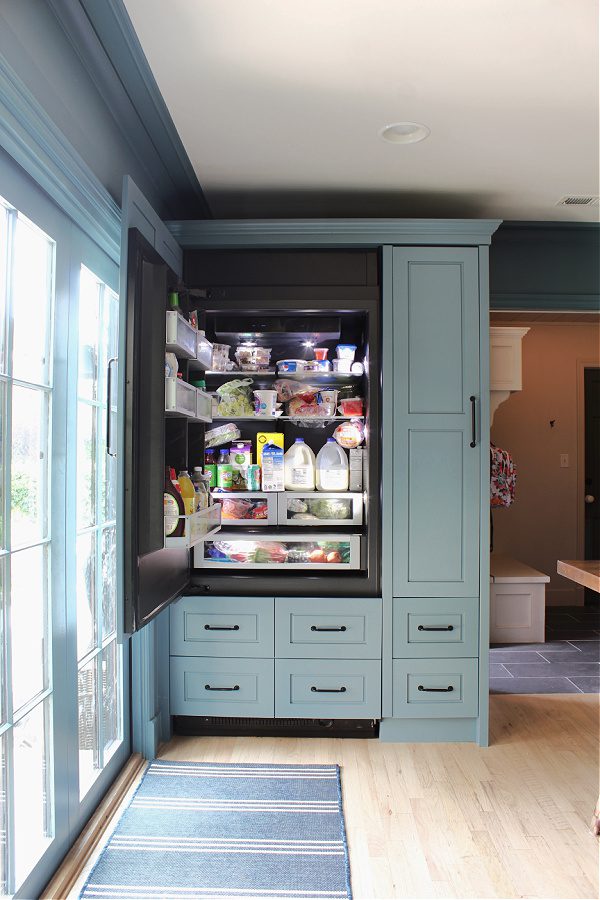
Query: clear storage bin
[274,551]
[198,526]
[310,509]
[180,336]
[180,398]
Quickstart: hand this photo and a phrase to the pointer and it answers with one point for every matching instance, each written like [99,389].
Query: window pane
[86,593]
[33,803]
[90,333]
[3,822]
[4,446]
[29,466]
[88,726]
[3,283]
[109,581]
[86,465]
[108,488]
[32,289]
[111,700]
[28,624]
[2,676]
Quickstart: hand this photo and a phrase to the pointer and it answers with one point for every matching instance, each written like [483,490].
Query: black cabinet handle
[328,628]
[473,422]
[437,690]
[317,690]
[221,627]
[208,687]
[435,628]
[109,404]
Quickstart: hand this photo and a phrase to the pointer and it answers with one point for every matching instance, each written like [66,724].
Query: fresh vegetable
[235,398]
[317,556]
[329,509]
[334,557]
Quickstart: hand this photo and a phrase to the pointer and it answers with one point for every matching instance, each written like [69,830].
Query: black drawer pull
[221,627]
[317,690]
[437,690]
[208,687]
[435,628]
[328,628]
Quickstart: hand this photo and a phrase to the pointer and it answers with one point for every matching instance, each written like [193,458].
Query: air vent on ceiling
[587,200]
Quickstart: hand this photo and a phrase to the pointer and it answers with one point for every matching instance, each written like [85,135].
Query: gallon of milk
[299,467]
[332,467]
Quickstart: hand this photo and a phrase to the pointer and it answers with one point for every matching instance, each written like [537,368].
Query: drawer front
[222,626]
[335,628]
[432,626]
[325,688]
[428,688]
[205,686]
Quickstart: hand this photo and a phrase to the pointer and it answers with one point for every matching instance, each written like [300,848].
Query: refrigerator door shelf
[247,507]
[199,526]
[280,552]
[320,508]
[180,336]
[183,399]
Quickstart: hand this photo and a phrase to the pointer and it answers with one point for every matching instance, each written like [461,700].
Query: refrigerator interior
[276,551]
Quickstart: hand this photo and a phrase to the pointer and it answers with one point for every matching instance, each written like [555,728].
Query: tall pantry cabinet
[424,673]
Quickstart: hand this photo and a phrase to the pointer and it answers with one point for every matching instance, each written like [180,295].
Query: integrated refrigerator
[251,319]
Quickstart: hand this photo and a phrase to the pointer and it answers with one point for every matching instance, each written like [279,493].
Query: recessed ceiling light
[404,133]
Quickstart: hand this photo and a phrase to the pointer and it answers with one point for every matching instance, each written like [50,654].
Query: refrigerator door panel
[153,575]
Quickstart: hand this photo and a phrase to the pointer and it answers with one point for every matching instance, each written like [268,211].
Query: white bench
[517,602]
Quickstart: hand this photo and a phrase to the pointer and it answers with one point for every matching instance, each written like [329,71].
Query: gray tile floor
[568,663]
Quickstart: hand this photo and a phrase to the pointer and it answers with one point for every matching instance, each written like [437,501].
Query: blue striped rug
[204,830]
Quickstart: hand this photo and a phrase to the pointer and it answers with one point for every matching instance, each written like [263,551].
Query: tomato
[317,556]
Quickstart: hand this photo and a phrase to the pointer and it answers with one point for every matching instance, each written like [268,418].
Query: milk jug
[332,467]
[299,467]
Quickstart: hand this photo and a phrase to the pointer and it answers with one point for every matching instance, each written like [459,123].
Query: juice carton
[267,437]
[272,468]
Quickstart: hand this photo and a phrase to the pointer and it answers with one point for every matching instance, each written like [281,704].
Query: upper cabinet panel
[435,336]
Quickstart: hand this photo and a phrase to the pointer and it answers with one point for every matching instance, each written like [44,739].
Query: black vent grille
[222,726]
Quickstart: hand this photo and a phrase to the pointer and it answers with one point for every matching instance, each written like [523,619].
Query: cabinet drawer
[332,628]
[428,688]
[425,626]
[204,686]
[325,688]
[222,626]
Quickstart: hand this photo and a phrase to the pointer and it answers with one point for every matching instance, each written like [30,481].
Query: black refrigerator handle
[473,422]
[109,384]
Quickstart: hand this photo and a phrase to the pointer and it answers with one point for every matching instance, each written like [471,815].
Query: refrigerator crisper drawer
[279,552]
[309,509]
[198,526]
[180,336]
[247,508]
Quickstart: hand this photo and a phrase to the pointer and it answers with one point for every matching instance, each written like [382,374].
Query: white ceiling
[279,104]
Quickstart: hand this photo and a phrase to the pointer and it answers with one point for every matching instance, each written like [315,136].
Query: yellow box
[267,437]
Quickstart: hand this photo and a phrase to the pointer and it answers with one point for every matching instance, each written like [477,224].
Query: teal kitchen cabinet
[414,653]
[437,435]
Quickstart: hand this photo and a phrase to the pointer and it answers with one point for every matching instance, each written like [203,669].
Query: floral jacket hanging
[503,477]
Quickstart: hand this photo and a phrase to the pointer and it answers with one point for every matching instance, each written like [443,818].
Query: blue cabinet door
[436,474]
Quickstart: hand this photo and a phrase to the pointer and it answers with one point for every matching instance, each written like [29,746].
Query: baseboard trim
[78,856]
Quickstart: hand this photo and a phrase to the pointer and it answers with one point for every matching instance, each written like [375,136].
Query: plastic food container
[291,365]
[343,366]
[351,406]
[253,359]
[321,353]
[346,351]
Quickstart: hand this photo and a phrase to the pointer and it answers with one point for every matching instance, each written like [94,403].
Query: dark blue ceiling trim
[102,35]
[546,302]
[40,148]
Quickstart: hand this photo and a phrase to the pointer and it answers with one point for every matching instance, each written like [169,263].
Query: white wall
[541,526]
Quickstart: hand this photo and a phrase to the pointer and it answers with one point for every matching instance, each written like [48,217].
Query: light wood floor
[456,820]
